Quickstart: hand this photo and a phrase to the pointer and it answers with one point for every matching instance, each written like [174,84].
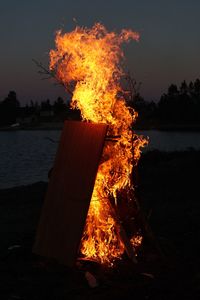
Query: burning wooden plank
[69,191]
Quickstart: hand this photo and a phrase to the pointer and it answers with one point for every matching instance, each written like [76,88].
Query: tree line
[178,106]
[11,110]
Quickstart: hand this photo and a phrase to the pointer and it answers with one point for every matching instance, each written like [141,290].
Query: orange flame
[88,60]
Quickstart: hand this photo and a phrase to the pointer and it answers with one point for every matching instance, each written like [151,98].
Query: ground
[168,191]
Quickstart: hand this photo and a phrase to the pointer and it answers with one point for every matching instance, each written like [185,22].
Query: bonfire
[87,62]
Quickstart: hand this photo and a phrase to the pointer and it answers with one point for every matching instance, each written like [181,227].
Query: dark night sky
[168,51]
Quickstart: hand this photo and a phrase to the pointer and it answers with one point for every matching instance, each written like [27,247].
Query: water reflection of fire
[87,60]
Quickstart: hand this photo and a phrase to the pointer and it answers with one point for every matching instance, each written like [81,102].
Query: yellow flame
[88,60]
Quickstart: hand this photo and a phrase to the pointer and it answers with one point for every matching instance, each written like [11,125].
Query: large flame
[87,60]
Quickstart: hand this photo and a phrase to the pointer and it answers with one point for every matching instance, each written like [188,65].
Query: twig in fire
[132,86]
[132,92]
[44,71]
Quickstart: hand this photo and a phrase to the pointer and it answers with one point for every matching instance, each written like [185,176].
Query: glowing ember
[136,241]
[87,60]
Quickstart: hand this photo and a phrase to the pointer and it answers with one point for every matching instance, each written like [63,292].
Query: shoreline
[59,126]
[155,155]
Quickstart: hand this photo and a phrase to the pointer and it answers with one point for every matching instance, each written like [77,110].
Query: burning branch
[133,86]
[51,74]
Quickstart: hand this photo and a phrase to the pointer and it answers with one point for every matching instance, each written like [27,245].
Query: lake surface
[27,156]
[171,140]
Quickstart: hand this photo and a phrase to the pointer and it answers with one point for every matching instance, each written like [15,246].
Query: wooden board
[69,191]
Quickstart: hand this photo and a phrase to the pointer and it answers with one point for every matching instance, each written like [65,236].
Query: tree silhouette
[180,106]
[9,108]
[59,106]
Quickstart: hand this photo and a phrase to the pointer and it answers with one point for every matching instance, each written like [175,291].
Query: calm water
[27,156]
[171,141]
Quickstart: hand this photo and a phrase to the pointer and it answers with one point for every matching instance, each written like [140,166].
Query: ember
[88,61]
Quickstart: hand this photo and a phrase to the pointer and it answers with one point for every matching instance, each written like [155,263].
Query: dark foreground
[168,189]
